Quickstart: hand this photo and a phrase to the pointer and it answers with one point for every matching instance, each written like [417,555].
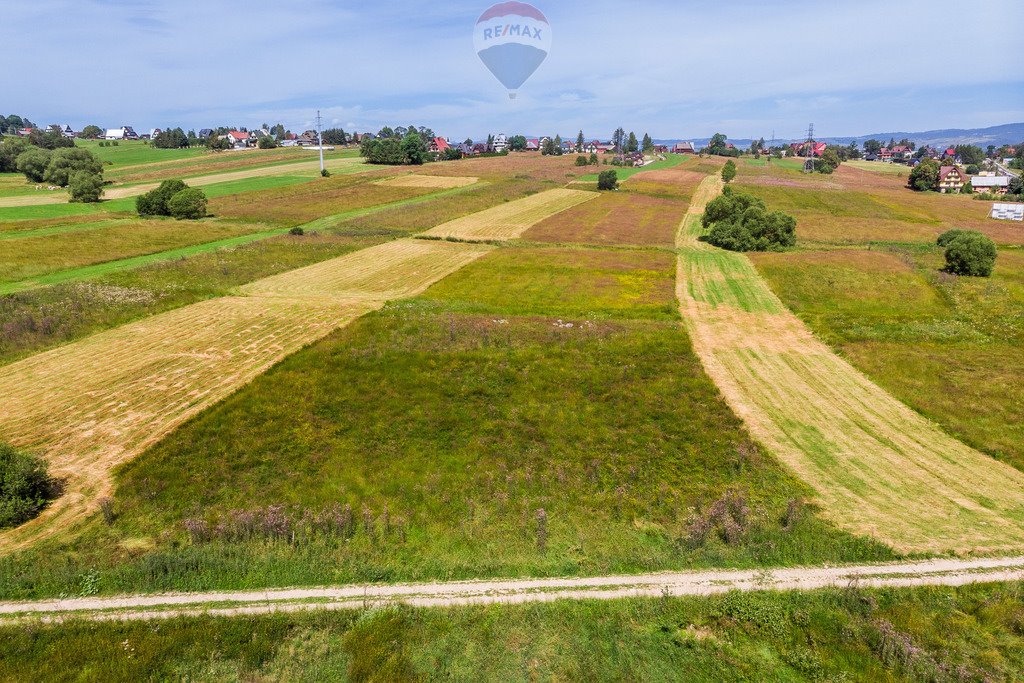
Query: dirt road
[942,572]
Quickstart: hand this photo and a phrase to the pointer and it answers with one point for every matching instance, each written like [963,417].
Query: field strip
[877,467]
[943,572]
[510,220]
[438,181]
[95,403]
[195,181]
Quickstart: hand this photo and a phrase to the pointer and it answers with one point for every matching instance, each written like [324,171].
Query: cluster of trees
[173,138]
[395,151]
[173,198]
[335,136]
[72,167]
[11,124]
[26,486]
[719,146]
[401,132]
[740,222]
[582,160]
[968,252]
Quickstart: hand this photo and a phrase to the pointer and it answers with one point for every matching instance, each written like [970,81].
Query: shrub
[65,162]
[728,171]
[33,162]
[828,162]
[950,235]
[972,169]
[593,159]
[189,204]
[25,486]
[266,142]
[154,202]
[925,176]
[582,161]
[296,231]
[86,186]
[971,253]
[740,222]
[324,173]
[608,180]
[10,149]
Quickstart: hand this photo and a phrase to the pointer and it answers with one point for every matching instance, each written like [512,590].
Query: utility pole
[772,147]
[809,164]
[320,142]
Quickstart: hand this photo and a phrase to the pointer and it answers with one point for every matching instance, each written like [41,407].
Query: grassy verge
[941,634]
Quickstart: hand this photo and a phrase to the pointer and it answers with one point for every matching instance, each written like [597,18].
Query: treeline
[64,165]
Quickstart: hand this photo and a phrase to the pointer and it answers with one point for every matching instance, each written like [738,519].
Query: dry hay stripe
[432,181]
[509,221]
[93,404]
[877,467]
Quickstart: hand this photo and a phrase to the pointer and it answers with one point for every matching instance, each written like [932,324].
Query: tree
[154,202]
[853,151]
[85,186]
[33,162]
[64,162]
[516,143]
[382,151]
[828,161]
[582,161]
[872,146]
[740,222]
[217,143]
[1016,185]
[335,136]
[171,139]
[972,169]
[386,132]
[970,253]
[10,149]
[25,486]
[647,146]
[557,146]
[924,176]
[547,147]
[608,180]
[619,139]
[593,159]
[90,132]
[728,171]
[581,142]
[266,142]
[49,139]
[970,154]
[189,204]
[414,148]
[632,144]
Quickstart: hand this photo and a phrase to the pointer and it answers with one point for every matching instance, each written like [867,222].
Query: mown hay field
[511,220]
[878,468]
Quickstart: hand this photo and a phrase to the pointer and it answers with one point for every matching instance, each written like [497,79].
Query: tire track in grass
[877,467]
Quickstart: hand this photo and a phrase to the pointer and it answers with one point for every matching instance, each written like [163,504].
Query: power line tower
[320,142]
[809,164]
[771,148]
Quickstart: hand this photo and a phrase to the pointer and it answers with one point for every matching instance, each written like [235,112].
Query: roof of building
[946,170]
[238,135]
[990,181]
[441,144]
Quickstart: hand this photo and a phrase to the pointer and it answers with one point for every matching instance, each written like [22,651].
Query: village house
[885,154]
[64,130]
[661,149]
[500,143]
[239,139]
[122,133]
[205,132]
[991,184]
[532,145]
[684,148]
[438,145]
[308,138]
[901,152]
[951,179]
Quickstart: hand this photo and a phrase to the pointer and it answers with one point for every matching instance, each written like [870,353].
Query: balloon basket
[511,95]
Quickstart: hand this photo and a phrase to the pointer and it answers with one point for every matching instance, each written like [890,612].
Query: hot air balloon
[512,39]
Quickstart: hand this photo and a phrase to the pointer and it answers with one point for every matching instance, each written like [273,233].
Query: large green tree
[64,162]
[924,176]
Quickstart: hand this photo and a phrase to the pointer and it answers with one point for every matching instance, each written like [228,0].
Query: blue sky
[674,68]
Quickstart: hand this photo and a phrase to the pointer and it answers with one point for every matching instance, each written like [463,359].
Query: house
[901,152]
[684,148]
[991,184]
[568,147]
[951,179]
[64,130]
[467,149]
[205,132]
[153,133]
[24,132]
[438,145]
[532,145]
[479,148]
[122,133]
[500,143]
[598,147]
[308,139]
[661,149]
[239,139]
[871,157]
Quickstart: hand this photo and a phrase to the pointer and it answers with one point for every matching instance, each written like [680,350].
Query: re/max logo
[512,30]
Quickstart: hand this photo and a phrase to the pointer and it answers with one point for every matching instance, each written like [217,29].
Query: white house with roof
[122,133]
[991,184]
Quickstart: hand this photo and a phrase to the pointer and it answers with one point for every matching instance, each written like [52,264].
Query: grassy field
[615,218]
[949,634]
[137,153]
[868,457]
[627,172]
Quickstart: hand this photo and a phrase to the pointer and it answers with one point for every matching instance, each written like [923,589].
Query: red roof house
[439,145]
